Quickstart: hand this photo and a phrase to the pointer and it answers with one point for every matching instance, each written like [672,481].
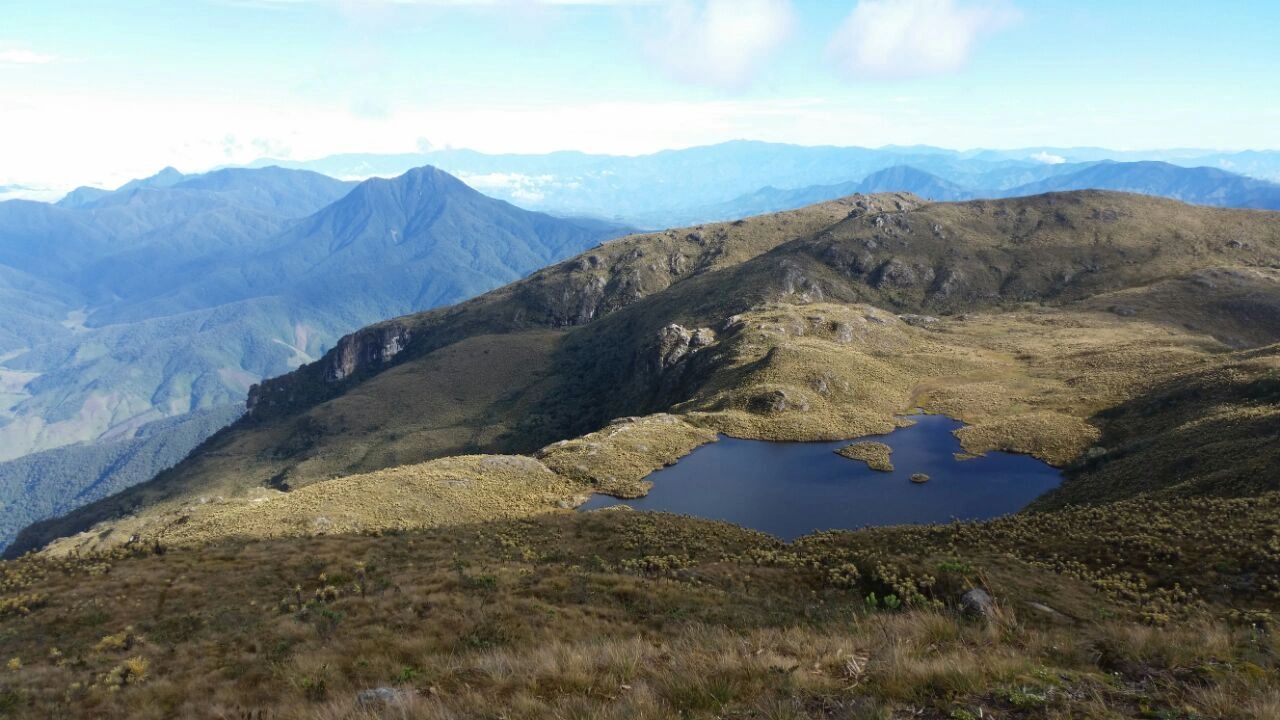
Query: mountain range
[675,187]
[174,294]
[1047,323]
[1198,185]
[126,310]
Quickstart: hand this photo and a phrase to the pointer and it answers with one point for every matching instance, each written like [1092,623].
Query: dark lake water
[791,489]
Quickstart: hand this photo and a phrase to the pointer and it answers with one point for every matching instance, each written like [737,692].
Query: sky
[95,92]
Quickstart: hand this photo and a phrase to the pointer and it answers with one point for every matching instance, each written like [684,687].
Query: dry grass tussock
[649,615]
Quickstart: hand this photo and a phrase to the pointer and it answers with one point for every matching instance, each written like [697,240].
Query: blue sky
[98,92]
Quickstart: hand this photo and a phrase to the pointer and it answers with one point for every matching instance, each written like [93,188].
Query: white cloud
[1048,158]
[518,186]
[19,56]
[721,42]
[912,38]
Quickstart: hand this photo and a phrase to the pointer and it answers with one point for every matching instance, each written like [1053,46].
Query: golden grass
[448,491]
[616,460]
[553,616]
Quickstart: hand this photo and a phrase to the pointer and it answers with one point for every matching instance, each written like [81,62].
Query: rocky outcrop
[918,320]
[895,273]
[382,697]
[774,402]
[579,301]
[675,342]
[947,282]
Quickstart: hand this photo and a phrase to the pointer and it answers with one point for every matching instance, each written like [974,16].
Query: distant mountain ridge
[1200,186]
[1197,185]
[899,178]
[85,195]
[662,189]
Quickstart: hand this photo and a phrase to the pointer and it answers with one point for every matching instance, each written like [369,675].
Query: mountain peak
[417,190]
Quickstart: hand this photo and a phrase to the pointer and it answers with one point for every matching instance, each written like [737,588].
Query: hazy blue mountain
[904,178]
[82,196]
[390,246]
[772,199]
[85,195]
[1260,164]
[419,240]
[167,177]
[291,193]
[164,216]
[664,188]
[1200,185]
[1205,186]
[766,199]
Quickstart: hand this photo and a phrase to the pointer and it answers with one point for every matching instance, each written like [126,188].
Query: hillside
[53,482]
[168,298]
[1098,613]
[1025,318]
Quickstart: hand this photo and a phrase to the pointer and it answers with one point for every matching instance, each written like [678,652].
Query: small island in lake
[874,454]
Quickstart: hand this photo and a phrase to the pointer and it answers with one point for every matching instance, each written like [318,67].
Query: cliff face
[365,349]
[368,349]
